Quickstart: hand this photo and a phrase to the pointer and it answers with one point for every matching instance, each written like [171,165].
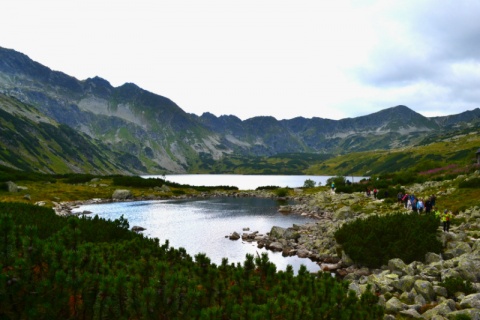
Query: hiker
[446,217]
[437,213]
[414,205]
[400,197]
[375,191]
[368,192]
[428,206]
[433,199]
[333,186]
[420,206]
[405,200]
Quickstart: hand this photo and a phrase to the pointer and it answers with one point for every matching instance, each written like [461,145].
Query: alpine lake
[203,225]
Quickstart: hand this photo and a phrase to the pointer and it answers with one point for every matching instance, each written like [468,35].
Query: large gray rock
[394,305]
[411,314]
[291,233]
[275,246]
[11,186]
[404,284]
[431,257]
[425,288]
[121,194]
[343,213]
[469,268]
[234,236]
[456,249]
[397,266]
[443,309]
[277,232]
[471,301]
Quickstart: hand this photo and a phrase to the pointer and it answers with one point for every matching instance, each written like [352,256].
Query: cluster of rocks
[406,291]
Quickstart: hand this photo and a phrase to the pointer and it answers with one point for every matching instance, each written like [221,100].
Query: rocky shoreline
[406,291]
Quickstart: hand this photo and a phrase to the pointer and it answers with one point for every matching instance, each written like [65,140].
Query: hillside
[32,141]
[141,132]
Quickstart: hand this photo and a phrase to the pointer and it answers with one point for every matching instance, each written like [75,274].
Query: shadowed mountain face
[156,135]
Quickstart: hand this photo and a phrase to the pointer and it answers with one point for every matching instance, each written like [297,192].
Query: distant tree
[309,183]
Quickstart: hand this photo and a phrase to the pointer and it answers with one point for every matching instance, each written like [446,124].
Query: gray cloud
[428,56]
[433,35]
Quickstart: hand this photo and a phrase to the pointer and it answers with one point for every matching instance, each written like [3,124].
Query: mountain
[157,136]
[31,141]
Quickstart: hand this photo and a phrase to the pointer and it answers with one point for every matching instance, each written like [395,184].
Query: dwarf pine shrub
[454,285]
[377,239]
[54,267]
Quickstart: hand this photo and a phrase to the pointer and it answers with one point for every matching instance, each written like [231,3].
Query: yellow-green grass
[60,191]
[361,163]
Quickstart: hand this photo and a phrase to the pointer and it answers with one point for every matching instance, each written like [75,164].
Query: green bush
[137,182]
[267,188]
[375,240]
[454,285]
[281,192]
[78,178]
[54,267]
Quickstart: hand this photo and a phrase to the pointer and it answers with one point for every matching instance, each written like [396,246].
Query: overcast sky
[312,58]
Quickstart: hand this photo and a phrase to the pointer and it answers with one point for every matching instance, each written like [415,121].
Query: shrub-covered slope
[59,268]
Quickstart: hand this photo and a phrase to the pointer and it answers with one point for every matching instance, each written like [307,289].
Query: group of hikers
[410,202]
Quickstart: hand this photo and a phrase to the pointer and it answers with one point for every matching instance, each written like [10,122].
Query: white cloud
[330,59]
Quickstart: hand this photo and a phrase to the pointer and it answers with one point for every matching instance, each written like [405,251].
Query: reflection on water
[202,225]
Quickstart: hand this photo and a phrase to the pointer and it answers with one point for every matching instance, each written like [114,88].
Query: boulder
[394,305]
[471,301]
[404,284]
[277,232]
[291,234]
[431,257]
[234,236]
[275,246]
[425,288]
[285,209]
[397,266]
[303,253]
[456,249]
[120,194]
[411,314]
[343,213]
[440,291]
[443,309]
[11,186]
[469,268]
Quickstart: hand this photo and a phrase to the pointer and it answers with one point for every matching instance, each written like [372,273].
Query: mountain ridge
[164,138]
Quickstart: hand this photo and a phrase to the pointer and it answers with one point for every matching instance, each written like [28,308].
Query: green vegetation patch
[70,268]
[455,285]
[375,240]
[471,183]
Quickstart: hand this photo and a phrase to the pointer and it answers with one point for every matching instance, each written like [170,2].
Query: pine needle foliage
[53,267]
[375,240]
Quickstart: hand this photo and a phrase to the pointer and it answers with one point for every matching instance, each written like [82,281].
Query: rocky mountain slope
[163,138]
[31,141]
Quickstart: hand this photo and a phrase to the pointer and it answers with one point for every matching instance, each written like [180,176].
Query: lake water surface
[243,182]
[201,226]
